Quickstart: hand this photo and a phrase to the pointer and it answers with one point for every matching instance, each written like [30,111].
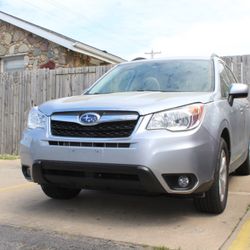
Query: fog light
[183,181]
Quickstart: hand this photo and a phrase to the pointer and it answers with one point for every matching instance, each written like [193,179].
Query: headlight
[180,119]
[36,119]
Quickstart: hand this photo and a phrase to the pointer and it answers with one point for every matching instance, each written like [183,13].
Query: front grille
[104,130]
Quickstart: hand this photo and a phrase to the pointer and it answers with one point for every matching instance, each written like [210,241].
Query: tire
[215,199]
[244,169]
[60,193]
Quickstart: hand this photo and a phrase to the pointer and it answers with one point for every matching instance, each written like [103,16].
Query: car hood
[141,102]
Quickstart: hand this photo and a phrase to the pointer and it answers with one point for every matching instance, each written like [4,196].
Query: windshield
[165,76]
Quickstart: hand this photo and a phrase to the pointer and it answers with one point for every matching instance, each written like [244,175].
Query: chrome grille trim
[104,118]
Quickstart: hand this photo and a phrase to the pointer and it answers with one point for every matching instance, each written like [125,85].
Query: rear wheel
[59,192]
[215,199]
[244,169]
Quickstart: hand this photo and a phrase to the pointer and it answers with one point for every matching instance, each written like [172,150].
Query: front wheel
[215,199]
[60,193]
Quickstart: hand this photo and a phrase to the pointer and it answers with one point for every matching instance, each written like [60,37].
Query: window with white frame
[12,63]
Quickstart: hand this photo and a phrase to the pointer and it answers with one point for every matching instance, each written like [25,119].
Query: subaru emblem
[89,119]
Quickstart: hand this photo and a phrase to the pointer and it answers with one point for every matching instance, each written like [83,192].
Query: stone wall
[38,52]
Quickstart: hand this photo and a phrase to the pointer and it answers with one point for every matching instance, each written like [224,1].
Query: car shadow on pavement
[110,207]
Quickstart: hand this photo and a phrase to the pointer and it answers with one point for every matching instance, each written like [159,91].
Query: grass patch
[9,157]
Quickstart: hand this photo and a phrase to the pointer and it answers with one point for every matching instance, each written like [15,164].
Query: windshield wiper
[99,93]
[144,90]
[139,90]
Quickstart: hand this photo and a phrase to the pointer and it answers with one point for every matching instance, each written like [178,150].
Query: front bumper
[157,153]
[95,176]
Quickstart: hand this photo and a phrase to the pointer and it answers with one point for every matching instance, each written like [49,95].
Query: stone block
[18,36]
[26,60]
[31,39]
[3,28]
[36,52]
[23,48]
[3,50]
[7,38]
[56,51]
[50,54]
[44,46]
[43,58]
[62,60]
[12,49]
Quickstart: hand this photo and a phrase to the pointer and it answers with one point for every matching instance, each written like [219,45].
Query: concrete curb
[240,238]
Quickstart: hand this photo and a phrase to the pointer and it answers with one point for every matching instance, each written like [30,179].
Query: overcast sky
[128,28]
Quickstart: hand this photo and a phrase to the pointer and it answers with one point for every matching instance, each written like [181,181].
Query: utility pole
[152,53]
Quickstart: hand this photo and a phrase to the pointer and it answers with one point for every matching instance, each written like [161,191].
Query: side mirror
[237,90]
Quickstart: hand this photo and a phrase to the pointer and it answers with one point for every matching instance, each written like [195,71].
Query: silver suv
[176,126]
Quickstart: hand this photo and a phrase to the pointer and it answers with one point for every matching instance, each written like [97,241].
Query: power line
[112,38]
[102,30]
